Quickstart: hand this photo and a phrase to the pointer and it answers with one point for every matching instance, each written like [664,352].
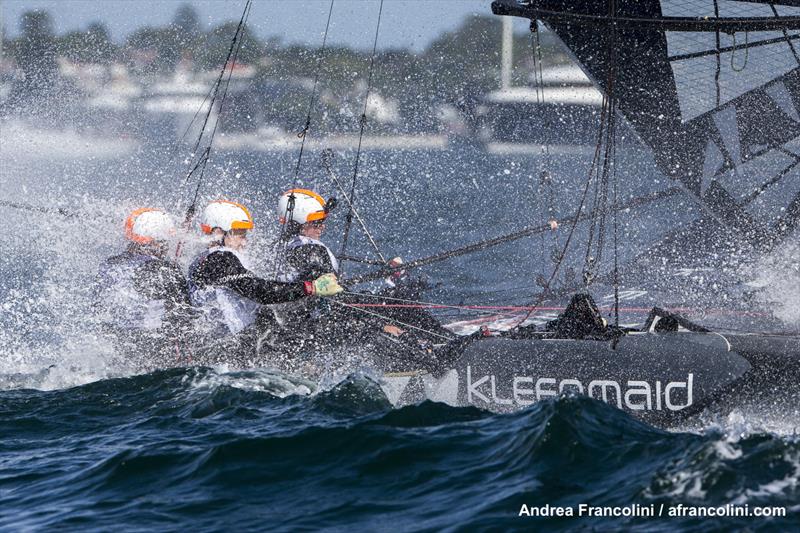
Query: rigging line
[546,288]
[786,35]
[755,154]
[234,46]
[612,135]
[746,51]
[37,209]
[214,93]
[591,263]
[494,241]
[613,140]
[603,118]
[610,153]
[205,159]
[540,190]
[362,260]
[538,76]
[546,185]
[772,181]
[363,121]
[595,175]
[681,24]
[191,122]
[389,319]
[594,214]
[718,55]
[326,157]
[616,243]
[312,100]
[218,81]
[482,309]
[179,143]
[750,45]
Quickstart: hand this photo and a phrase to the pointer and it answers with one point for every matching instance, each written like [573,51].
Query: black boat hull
[663,379]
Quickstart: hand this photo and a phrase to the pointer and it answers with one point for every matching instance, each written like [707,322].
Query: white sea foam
[776,278]
[260,380]
[778,488]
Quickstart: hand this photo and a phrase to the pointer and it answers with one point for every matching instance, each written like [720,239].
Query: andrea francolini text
[585,509]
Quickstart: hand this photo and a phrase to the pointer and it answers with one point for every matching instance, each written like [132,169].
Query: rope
[37,209]
[603,129]
[538,77]
[786,35]
[715,311]
[233,53]
[718,71]
[420,304]
[312,100]
[746,51]
[362,260]
[326,164]
[202,162]
[363,121]
[389,319]
[592,263]
[614,166]
[664,23]
[488,243]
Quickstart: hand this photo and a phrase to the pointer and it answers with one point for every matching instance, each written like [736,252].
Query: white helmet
[226,216]
[308,206]
[146,225]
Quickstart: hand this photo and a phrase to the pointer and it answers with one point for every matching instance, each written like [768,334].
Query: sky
[404,23]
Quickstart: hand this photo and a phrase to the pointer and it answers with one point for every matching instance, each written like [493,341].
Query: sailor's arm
[226,270]
[223,269]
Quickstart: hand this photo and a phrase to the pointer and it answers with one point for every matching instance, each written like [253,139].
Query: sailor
[141,295]
[303,212]
[304,256]
[229,294]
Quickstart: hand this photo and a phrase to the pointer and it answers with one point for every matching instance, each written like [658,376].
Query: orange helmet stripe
[131,220]
[310,193]
[236,224]
[316,215]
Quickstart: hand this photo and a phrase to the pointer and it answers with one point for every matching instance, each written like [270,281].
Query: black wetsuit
[310,259]
[234,341]
[221,268]
[143,303]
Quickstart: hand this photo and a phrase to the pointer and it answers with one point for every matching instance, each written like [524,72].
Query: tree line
[457,67]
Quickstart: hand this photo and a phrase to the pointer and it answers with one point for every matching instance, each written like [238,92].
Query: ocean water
[202,450]
[88,445]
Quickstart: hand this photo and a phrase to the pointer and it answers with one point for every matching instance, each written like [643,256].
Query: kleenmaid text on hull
[636,395]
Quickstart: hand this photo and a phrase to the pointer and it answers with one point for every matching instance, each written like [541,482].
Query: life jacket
[224,311]
[121,304]
[290,273]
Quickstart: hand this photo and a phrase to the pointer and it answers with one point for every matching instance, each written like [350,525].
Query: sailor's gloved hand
[397,275]
[325,285]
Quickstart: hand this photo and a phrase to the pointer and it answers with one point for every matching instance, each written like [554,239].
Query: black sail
[712,87]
